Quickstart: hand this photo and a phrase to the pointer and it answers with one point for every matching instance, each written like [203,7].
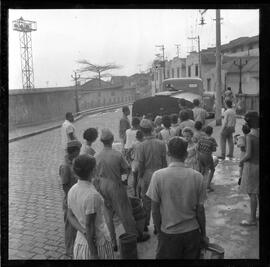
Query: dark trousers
[179,246]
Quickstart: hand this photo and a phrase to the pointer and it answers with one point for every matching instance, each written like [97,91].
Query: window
[208,84]
[178,72]
[172,73]
[196,70]
[189,71]
[168,73]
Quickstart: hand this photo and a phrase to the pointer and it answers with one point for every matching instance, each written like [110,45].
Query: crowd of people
[171,162]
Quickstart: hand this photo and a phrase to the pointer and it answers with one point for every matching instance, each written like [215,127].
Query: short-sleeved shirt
[88,150]
[67,176]
[83,199]
[207,144]
[151,155]
[198,135]
[179,190]
[229,118]
[166,134]
[130,138]
[67,128]
[199,114]
[183,124]
[123,126]
[111,164]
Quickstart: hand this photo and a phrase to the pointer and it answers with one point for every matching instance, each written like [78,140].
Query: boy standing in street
[178,206]
[68,130]
[124,125]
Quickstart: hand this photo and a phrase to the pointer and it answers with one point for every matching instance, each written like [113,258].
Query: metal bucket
[128,246]
[139,214]
[212,251]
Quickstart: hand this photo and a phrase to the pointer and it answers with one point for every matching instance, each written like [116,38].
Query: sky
[126,37]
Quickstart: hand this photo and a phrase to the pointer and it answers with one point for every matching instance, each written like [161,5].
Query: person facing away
[68,130]
[198,132]
[111,165]
[150,156]
[250,182]
[131,137]
[174,124]
[227,130]
[183,106]
[166,133]
[192,155]
[90,135]
[178,212]
[68,179]
[158,125]
[228,94]
[199,113]
[184,122]
[241,143]
[124,125]
[206,146]
[85,213]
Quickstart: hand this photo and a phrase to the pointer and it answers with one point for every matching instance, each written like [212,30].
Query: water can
[212,251]
[139,214]
[128,246]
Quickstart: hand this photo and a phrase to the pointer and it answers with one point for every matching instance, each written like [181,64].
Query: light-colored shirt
[179,190]
[183,124]
[199,114]
[67,128]
[111,164]
[130,138]
[166,134]
[229,118]
[83,199]
[88,150]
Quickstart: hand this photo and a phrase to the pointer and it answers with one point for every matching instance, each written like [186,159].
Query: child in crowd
[192,158]
[134,164]
[198,132]
[90,135]
[85,213]
[175,124]
[241,143]
[206,146]
[157,125]
[166,133]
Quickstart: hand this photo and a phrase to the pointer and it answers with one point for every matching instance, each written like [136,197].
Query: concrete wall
[37,106]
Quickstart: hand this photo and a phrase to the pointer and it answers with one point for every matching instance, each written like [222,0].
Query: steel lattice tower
[25,27]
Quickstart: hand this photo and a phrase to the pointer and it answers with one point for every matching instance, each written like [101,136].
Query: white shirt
[229,118]
[83,199]
[67,128]
[131,138]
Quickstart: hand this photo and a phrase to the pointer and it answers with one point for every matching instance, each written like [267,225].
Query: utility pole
[178,50]
[240,65]
[199,52]
[76,77]
[163,57]
[218,70]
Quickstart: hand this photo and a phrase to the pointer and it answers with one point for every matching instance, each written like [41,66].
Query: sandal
[248,223]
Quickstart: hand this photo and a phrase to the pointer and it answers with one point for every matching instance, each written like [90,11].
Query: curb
[82,114]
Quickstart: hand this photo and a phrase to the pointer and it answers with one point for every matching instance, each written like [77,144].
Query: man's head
[228,103]
[182,103]
[196,102]
[208,130]
[126,110]
[245,129]
[90,135]
[198,125]
[73,148]
[252,118]
[135,122]
[183,115]
[187,134]
[166,120]
[174,118]
[139,135]
[106,137]
[69,116]
[229,88]
[177,148]
[146,126]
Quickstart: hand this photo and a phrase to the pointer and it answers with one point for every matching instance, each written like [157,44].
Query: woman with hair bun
[85,213]
[250,161]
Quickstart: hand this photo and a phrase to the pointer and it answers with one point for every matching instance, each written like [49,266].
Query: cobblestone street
[36,228]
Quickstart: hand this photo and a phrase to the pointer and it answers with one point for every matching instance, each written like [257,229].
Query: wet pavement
[36,226]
